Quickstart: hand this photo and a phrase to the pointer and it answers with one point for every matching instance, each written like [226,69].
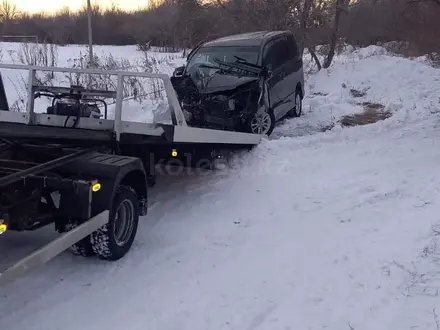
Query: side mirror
[178,72]
[265,72]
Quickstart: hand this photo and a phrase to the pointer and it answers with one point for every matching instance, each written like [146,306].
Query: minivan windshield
[207,55]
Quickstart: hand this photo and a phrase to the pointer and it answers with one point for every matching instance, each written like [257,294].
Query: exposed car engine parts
[226,99]
[75,101]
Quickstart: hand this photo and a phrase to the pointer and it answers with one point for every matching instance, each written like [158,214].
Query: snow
[406,88]
[319,227]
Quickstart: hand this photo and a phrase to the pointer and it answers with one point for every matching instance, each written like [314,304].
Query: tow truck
[86,174]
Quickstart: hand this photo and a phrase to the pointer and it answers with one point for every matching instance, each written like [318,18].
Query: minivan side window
[269,55]
[276,53]
[293,47]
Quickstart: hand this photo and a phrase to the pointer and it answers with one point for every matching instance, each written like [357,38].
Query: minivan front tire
[262,123]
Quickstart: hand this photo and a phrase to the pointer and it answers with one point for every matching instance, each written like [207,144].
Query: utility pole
[89,14]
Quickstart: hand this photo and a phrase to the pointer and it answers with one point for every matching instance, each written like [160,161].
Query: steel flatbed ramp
[22,132]
[212,136]
[143,131]
[52,249]
[107,129]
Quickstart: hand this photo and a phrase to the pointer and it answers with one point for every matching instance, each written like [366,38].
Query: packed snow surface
[319,227]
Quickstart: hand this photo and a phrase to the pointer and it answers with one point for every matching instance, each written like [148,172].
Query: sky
[53,5]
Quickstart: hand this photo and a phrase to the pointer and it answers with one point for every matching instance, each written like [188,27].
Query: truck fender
[135,179]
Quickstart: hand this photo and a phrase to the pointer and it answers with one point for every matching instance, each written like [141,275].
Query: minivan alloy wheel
[261,123]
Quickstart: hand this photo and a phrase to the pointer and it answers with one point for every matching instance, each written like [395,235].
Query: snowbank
[406,88]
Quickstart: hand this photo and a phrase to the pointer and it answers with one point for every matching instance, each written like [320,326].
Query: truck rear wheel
[115,239]
[82,248]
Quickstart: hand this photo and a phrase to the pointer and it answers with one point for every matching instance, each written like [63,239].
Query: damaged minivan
[244,83]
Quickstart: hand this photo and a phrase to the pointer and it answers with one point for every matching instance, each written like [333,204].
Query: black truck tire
[82,248]
[115,239]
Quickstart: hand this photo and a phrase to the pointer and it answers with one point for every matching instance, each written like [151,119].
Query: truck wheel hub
[123,226]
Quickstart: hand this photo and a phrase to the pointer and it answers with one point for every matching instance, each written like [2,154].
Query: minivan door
[294,70]
[275,58]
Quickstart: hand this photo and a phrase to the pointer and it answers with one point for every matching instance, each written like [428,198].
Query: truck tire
[82,248]
[115,239]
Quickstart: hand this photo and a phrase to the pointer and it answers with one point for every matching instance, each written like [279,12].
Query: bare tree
[340,8]
[173,24]
[305,17]
[8,11]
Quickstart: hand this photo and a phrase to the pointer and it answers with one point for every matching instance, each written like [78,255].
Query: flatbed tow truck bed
[90,181]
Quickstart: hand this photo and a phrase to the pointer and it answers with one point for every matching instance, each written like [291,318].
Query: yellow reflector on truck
[174,153]
[3,228]
[96,187]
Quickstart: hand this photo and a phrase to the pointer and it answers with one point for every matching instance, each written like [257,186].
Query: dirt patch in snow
[373,112]
[358,93]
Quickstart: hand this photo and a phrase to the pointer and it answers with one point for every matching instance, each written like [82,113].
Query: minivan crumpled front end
[223,100]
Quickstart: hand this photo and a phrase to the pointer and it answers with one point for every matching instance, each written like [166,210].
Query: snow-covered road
[317,240]
[334,230]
